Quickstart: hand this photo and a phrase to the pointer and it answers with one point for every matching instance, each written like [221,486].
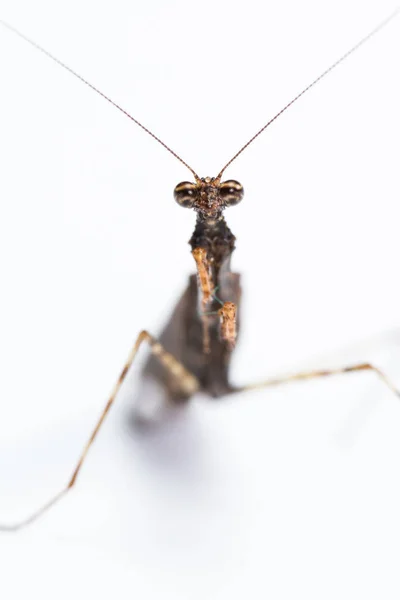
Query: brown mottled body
[183,337]
[197,320]
[214,236]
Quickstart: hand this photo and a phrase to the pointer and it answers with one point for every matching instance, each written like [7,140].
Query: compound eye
[231,192]
[185,193]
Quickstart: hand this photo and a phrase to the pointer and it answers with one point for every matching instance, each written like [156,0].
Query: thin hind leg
[185,381]
[317,374]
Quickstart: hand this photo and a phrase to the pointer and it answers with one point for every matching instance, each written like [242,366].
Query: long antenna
[335,64]
[59,62]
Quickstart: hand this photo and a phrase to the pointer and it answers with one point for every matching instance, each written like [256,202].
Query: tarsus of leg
[189,384]
[320,373]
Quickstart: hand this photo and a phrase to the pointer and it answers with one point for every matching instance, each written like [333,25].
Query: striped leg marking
[228,332]
[317,374]
[188,383]
[205,286]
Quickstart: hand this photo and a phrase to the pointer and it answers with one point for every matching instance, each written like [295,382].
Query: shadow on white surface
[214,497]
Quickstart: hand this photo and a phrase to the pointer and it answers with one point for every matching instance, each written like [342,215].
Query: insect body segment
[204,274]
[227,315]
[212,245]
[208,195]
[205,284]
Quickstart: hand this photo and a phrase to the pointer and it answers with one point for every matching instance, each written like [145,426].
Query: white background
[282,493]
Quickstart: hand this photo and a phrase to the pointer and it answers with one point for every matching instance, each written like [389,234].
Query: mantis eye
[231,192]
[185,194]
